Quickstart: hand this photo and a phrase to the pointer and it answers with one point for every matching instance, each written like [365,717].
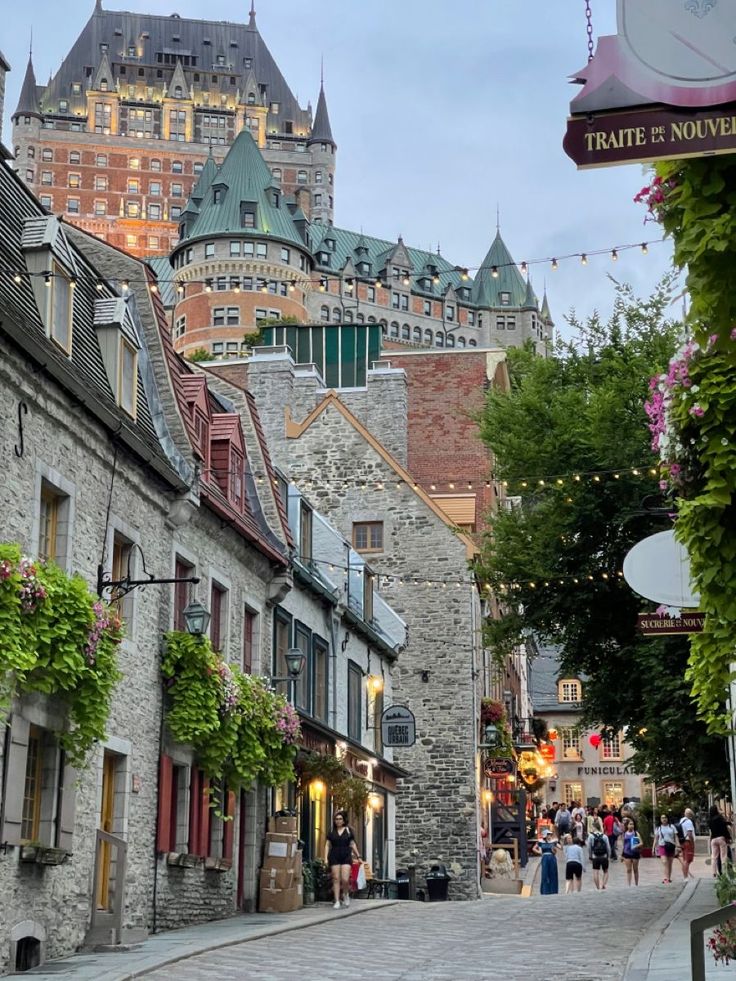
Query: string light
[524,268]
[494,272]
[644,248]
[583,260]
[614,255]
[554,264]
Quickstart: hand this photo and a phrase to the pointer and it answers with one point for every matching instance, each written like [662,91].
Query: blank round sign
[658,568]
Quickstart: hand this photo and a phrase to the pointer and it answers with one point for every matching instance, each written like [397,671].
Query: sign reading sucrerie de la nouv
[640,135]
[655,625]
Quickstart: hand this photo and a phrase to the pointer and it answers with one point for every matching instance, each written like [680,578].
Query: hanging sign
[499,766]
[658,625]
[398,726]
[663,86]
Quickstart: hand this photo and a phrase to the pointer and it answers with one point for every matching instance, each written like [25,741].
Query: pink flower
[697,411]
[733,334]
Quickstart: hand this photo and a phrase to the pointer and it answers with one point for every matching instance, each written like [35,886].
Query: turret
[322,147]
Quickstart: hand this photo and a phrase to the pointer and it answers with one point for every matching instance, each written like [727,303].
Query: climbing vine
[59,639]
[692,407]
[240,730]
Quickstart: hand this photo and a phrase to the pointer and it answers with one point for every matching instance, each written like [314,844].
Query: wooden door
[106,824]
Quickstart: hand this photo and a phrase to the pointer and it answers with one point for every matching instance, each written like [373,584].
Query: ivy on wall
[692,408]
[241,731]
[59,639]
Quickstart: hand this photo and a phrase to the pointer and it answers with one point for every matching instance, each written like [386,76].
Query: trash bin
[437,884]
[402,884]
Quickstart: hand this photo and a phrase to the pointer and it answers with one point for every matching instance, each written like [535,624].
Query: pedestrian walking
[631,851]
[563,821]
[686,834]
[547,848]
[574,865]
[599,850]
[720,838]
[340,849]
[578,830]
[593,822]
[612,829]
[665,842]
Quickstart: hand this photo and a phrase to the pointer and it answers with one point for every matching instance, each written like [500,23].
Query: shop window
[613,793]
[368,536]
[572,791]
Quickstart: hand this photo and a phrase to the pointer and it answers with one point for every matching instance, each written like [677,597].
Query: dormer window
[305,533]
[236,480]
[569,690]
[103,85]
[202,435]
[128,380]
[248,214]
[218,195]
[61,309]
[504,299]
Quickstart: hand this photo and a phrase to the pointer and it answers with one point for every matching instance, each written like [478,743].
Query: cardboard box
[283,825]
[279,851]
[298,866]
[272,878]
[280,900]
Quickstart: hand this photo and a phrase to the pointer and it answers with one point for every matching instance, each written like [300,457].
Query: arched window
[439,339]
[251,98]
[336,315]
[371,320]
[451,340]
[318,177]
[276,173]
[461,341]
[103,85]
[405,332]
[428,337]
[384,329]
[177,92]
[324,313]
[417,335]
[394,328]
[360,318]
[349,316]
[472,342]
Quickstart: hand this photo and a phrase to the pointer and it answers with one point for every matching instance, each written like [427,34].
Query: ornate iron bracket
[22,411]
[126,585]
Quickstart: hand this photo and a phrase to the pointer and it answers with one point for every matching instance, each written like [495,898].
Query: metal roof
[488,287]
[28,101]
[321,129]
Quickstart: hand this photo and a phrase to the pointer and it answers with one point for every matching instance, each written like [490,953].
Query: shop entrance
[508,821]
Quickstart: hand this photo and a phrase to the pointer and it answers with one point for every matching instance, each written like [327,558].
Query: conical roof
[321,129]
[530,297]
[28,104]
[178,83]
[545,312]
[487,287]
[244,178]
[204,181]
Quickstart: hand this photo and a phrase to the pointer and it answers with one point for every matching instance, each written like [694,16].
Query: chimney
[4,69]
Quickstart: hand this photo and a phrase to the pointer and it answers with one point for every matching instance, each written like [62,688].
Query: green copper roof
[546,314]
[347,243]
[204,181]
[530,297]
[487,288]
[243,178]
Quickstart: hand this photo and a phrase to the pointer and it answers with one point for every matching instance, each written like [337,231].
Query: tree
[571,440]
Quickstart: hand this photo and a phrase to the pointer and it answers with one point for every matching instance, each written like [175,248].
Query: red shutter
[216,617]
[248,621]
[204,820]
[181,593]
[195,811]
[163,839]
[229,826]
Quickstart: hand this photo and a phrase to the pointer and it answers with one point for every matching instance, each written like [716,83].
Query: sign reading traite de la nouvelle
[663,86]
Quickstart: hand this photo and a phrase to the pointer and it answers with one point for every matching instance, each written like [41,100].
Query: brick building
[118,137]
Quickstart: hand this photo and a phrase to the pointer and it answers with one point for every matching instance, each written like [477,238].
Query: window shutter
[67,810]
[15,780]
[204,820]
[228,826]
[163,837]
[194,810]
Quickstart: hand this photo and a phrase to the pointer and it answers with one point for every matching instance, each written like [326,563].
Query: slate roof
[544,673]
[153,34]
[244,177]
[487,288]
[321,129]
[161,268]
[28,103]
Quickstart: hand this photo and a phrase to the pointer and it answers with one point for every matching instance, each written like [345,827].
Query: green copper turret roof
[530,297]
[546,314]
[204,181]
[244,179]
[487,288]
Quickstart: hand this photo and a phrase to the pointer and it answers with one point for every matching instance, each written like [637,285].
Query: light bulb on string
[554,264]
[583,260]
[17,278]
[524,268]
[644,248]
[494,272]
[614,255]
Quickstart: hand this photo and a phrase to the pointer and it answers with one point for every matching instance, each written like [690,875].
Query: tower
[27,126]
[323,149]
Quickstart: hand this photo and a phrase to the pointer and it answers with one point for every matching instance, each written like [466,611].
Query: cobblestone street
[582,937]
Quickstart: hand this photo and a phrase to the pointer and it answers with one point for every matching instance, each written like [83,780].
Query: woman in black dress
[340,849]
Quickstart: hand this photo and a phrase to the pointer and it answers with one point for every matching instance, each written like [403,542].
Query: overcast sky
[442,111]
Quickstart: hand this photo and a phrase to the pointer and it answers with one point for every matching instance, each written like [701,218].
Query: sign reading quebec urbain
[663,86]
[398,727]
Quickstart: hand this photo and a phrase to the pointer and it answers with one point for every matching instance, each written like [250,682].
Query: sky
[445,115]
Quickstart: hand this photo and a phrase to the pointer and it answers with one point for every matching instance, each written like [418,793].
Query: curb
[637,966]
[326,917]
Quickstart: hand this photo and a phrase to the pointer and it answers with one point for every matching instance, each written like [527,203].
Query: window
[100,182]
[233,316]
[569,690]
[177,191]
[324,313]
[281,642]
[367,595]
[47,155]
[218,316]
[285,255]
[449,312]
[305,533]
[569,743]
[49,519]
[156,166]
[31,816]
[131,241]
[249,633]
[471,318]
[132,209]
[302,686]
[511,323]
[154,242]
[248,215]
[46,178]
[154,188]
[405,332]
[182,591]
[72,206]
[60,319]
[218,611]
[355,701]
[301,177]
[134,163]
[120,568]
[261,250]
[101,160]
[174,212]
[613,793]
[276,172]
[611,748]
[451,340]
[177,167]
[128,383]
[74,180]
[46,201]
[504,298]
[572,791]
[368,536]
[417,335]
[320,655]
[209,250]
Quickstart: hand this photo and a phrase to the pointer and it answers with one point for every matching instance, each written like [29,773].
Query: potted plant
[322,881]
[308,883]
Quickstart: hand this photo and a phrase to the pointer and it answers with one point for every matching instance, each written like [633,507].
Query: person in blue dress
[547,848]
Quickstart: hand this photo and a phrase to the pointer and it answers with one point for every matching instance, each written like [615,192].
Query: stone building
[420,560]
[118,137]
[582,771]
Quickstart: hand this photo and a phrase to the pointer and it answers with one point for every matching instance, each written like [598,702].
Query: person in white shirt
[687,847]
[575,863]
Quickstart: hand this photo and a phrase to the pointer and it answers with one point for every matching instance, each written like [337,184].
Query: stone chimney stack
[4,69]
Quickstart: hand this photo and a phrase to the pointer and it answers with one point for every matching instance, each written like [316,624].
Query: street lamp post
[197,619]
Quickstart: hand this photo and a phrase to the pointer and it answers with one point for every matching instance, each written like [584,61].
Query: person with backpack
[631,851]
[665,843]
[686,835]
[599,849]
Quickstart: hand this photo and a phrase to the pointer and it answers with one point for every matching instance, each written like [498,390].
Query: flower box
[213,864]
[182,860]
[42,855]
